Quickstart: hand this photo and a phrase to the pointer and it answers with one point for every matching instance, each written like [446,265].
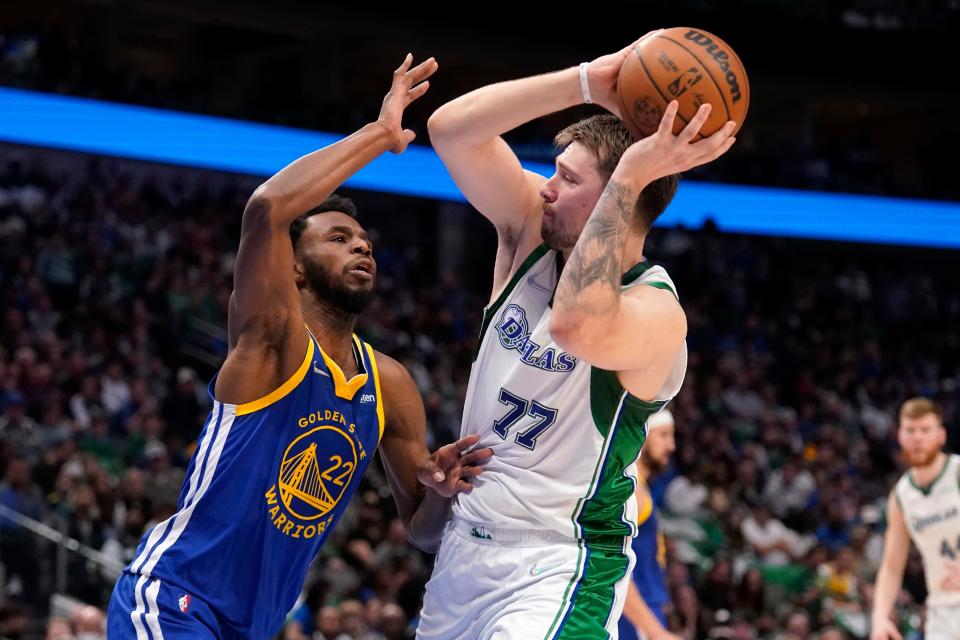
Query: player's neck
[923,476]
[333,329]
[632,252]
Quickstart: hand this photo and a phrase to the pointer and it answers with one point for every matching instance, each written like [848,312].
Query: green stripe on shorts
[586,614]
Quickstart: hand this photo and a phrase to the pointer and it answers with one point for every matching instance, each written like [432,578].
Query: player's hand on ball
[602,74]
[448,470]
[663,154]
[408,85]
[885,631]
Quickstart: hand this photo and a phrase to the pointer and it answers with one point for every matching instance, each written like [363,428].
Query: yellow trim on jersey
[376,384]
[282,390]
[341,386]
[645,510]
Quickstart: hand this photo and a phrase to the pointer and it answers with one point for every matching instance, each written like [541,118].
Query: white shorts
[509,584]
[943,623]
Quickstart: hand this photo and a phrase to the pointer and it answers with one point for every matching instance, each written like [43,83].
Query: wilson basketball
[691,66]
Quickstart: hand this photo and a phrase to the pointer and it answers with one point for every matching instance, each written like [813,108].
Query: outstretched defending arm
[265,327]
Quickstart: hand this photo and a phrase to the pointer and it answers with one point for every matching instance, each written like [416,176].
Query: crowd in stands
[114,290]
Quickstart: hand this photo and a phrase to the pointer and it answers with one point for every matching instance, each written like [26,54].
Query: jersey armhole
[376,387]
[284,389]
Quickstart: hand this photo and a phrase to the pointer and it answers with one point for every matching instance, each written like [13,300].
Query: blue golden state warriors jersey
[648,546]
[648,572]
[267,482]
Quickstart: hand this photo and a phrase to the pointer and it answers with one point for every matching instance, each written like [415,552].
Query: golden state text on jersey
[267,482]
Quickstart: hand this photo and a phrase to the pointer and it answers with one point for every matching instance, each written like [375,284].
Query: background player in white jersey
[924,506]
[570,363]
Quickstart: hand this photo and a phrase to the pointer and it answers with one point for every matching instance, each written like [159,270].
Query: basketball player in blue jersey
[299,407]
[647,595]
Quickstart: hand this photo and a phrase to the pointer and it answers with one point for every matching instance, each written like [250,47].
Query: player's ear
[298,277]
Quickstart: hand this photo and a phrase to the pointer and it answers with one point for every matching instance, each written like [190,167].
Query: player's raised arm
[896,547]
[264,323]
[466,133]
[591,318]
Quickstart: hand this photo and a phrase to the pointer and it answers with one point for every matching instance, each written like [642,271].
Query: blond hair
[918,407]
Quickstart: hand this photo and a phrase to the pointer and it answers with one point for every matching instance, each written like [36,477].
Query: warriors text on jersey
[267,482]
[932,516]
[565,434]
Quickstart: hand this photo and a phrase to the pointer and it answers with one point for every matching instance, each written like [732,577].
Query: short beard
[924,460]
[655,467]
[554,238]
[333,291]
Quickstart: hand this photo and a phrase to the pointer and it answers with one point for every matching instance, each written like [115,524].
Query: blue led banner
[143,133]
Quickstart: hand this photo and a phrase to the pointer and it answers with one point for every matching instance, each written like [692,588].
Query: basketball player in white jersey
[582,341]
[924,506]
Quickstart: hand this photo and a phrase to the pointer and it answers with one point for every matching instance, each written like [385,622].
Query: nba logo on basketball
[184,603]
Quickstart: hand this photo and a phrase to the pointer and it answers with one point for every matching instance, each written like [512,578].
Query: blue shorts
[143,608]
[629,632]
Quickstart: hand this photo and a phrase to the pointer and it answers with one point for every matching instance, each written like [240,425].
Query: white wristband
[584,85]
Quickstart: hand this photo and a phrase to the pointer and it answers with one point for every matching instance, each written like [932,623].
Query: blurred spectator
[89,623]
[789,492]
[770,539]
[18,548]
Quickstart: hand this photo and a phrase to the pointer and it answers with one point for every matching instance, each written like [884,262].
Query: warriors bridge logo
[314,475]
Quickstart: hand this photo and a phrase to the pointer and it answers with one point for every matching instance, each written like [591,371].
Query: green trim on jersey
[926,490]
[587,612]
[492,308]
[634,272]
[662,285]
[621,419]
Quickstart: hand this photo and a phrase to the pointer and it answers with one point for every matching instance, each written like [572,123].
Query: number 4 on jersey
[949,552]
[520,407]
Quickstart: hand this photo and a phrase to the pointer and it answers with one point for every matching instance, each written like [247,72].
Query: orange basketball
[688,65]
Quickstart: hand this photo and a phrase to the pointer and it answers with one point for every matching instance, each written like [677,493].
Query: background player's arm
[265,327]
[638,613]
[591,318]
[896,547]
[422,484]
[466,133]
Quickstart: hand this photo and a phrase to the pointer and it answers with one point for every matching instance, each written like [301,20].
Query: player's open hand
[449,469]
[663,154]
[603,72]
[408,85]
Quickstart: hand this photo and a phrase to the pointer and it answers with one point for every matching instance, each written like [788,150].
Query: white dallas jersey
[565,435]
[932,517]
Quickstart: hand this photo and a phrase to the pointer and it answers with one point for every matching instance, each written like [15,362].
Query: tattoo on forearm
[591,278]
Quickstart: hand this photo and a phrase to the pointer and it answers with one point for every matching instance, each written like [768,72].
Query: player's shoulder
[393,374]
